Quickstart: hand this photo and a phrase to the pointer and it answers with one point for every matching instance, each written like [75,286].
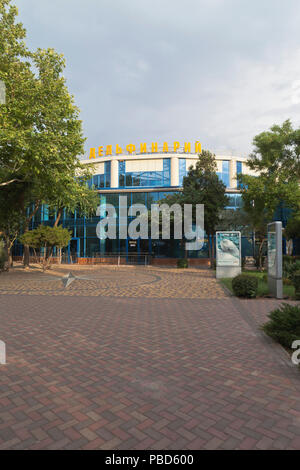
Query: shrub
[287,259]
[284,324]
[265,278]
[182,263]
[244,285]
[290,269]
[296,283]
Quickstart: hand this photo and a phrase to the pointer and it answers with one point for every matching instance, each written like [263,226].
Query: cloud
[218,71]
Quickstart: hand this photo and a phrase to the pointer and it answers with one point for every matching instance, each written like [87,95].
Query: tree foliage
[292,229]
[277,152]
[40,131]
[203,186]
[47,238]
[275,163]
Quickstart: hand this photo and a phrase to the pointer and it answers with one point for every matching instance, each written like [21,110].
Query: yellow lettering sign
[154,147]
[119,150]
[165,147]
[143,148]
[108,150]
[187,147]
[176,146]
[198,148]
[92,153]
[130,148]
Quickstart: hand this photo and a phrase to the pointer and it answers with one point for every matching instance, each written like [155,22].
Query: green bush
[182,263]
[296,283]
[284,324]
[244,285]
[290,268]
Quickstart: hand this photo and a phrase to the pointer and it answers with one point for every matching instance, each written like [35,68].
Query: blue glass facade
[235,201]
[224,174]
[152,179]
[182,170]
[102,181]
[147,179]
[83,229]
[239,171]
[239,168]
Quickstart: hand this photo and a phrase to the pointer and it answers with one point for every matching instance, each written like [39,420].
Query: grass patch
[263,290]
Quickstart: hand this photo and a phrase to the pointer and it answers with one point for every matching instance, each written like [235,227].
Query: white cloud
[216,70]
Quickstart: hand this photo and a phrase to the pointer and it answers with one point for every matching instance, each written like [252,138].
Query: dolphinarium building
[146,175]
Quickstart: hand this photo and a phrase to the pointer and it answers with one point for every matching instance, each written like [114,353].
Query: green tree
[277,151]
[40,130]
[234,219]
[11,216]
[292,230]
[275,162]
[46,238]
[203,186]
[258,207]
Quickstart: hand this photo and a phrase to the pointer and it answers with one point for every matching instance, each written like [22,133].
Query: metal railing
[142,259]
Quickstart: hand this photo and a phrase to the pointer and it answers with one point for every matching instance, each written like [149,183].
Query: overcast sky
[218,71]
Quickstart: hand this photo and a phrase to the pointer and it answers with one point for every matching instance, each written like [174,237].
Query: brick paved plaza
[140,358]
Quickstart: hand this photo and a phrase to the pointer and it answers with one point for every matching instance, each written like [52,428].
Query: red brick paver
[136,373]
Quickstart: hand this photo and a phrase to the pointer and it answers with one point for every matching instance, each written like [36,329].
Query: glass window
[182,170]
[107,172]
[224,175]
[239,171]
[167,172]
[138,198]
[121,174]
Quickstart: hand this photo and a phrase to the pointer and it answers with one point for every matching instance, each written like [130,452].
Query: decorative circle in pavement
[135,282]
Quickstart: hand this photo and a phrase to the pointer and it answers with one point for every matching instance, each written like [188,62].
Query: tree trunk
[261,244]
[26,228]
[58,216]
[26,249]
[7,247]
[212,252]
[289,247]
[9,257]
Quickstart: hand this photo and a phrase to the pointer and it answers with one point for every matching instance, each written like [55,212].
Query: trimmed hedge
[182,263]
[284,324]
[244,285]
